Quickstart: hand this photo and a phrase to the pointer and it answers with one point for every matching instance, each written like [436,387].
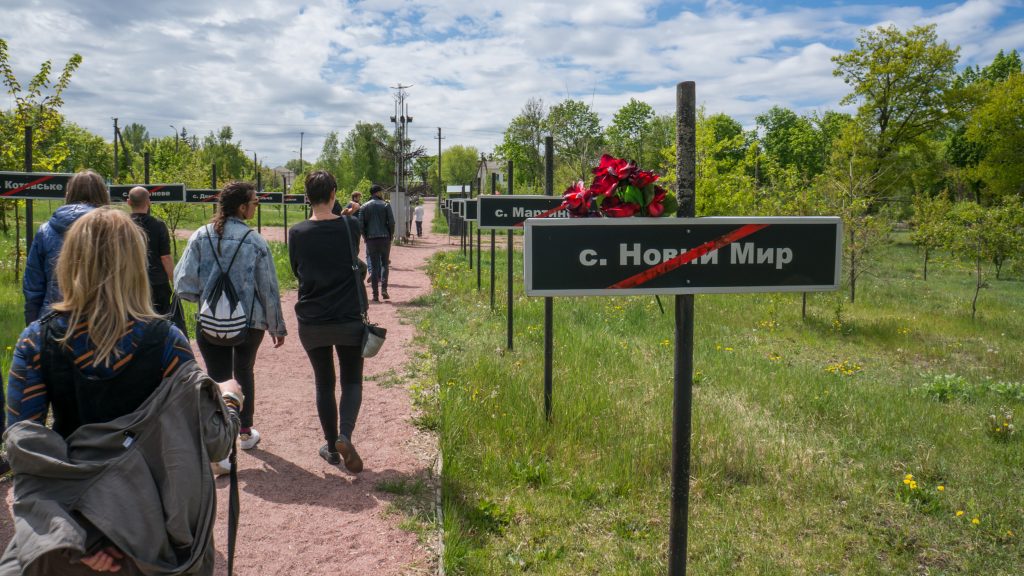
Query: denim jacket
[252,274]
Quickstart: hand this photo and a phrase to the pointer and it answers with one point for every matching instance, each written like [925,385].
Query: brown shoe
[349,455]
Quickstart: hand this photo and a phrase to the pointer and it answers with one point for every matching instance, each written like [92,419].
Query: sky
[284,74]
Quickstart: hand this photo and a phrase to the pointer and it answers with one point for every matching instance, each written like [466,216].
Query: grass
[803,430]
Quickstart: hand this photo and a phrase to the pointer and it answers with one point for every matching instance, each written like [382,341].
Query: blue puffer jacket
[40,282]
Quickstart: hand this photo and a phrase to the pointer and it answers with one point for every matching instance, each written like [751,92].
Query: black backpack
[223,319]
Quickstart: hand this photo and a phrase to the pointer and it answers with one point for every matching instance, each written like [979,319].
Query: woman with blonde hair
[135,422]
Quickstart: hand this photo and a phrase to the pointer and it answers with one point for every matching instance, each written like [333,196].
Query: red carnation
[641,178]
[576,199]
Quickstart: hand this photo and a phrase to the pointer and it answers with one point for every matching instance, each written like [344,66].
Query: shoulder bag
[373,335]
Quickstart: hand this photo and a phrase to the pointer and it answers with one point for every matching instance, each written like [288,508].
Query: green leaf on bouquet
[671,204]
[630,193]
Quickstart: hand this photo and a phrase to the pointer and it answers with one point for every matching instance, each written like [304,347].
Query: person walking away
[135,422]
[86,190]
[330,314]
[159,263]
[378,222]
[418,215]
[212,249]
[351,208]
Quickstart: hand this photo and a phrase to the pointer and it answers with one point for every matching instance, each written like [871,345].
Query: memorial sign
[158,193]
[502,212]
[33,185]
[597,256]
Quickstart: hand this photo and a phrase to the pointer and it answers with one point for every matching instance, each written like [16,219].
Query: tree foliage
[576,130]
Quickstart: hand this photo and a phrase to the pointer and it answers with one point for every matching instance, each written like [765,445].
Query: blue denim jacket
[253,273]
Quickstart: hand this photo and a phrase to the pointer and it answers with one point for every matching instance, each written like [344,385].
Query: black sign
[504,212]
[201,195]
[471,210]
[157,192]
[613,256]
[459,208]
[270,197]
[294,198]
[33,185]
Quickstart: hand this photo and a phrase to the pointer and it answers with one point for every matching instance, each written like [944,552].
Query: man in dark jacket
[160,265]
[378,229]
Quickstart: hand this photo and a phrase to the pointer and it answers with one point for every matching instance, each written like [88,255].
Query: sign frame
[178,189]
[39,178]
[533,223]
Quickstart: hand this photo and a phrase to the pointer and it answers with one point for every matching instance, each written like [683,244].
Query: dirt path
[300,515]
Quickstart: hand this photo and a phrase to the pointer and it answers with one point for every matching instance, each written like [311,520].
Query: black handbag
[373,335]
[177,315]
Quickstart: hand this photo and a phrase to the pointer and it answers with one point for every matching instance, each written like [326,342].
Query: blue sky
[272,69]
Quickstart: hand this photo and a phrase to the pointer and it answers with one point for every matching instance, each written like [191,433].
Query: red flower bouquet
[619,189]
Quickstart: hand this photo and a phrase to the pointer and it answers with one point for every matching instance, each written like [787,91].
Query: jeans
[340,419]
[378,252]
[419,228]
[227,362]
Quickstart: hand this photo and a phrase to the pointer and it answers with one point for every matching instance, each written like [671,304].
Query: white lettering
[710,258]
[587,257]
[499,213]
[627,254]
[785,256]
[741,253]
[652,257]
[765,256]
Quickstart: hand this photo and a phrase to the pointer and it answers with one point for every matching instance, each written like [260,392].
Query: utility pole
[401,119]
[440,185]
[115,150]
[175,137]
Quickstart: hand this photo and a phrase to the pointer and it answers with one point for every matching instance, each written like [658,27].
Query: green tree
[576,131]
[459,165]
[523,143]
[901,81]
[790,140]
[847,190]
[136,136]
[930,224]
[997,126]
[628,130]
[983,234]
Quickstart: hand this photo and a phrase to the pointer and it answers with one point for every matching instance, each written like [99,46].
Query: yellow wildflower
[959,513]
[975,520]
[940,488]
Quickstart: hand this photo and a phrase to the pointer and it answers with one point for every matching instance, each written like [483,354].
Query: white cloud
[272,70]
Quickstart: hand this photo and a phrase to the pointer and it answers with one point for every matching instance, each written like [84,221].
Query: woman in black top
[330,314]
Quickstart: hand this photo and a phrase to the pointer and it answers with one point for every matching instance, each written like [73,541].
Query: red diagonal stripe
[688,256]
[29,185]
[155,188]
[544,215]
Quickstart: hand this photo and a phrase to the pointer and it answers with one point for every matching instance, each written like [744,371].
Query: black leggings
[227,362]
[343,418]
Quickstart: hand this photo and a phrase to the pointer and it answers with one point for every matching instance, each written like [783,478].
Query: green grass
[803,430]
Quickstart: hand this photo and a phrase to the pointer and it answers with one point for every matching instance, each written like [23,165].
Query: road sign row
[52,186]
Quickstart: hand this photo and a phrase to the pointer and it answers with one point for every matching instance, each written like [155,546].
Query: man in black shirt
[378,223]
[158,249]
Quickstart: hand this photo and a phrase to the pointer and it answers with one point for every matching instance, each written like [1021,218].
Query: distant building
[483,173]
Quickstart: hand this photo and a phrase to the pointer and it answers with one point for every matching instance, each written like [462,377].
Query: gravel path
[300,515]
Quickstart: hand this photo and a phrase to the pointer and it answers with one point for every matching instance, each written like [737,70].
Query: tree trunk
[977,287]
[853,268]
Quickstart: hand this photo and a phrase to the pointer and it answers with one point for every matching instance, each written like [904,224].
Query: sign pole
[145,162]
[28,203]
[682,404]
[510,258]
[259,207]
[549,345]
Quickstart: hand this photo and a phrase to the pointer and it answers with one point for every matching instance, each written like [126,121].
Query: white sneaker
[250,440]
[221,468]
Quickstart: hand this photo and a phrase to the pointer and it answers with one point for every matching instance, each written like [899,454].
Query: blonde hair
[101,272]
[87,187]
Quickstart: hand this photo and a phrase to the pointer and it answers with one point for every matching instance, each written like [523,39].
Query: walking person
[159,263]
[86,190]
[330,313]
[135,422]
[228,244]
[351,208]
[378,222]
[418,216]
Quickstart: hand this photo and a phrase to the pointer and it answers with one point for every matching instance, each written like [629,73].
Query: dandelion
[940,488]
[975,520]
[728,349]
[1009,533]
[959,513]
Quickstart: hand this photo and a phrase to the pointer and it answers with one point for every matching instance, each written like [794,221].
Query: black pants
[161,295]
[419,228]
[227,362]
[378,252]
[343,418]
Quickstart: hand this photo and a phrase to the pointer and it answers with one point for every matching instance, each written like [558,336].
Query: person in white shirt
[418,216]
